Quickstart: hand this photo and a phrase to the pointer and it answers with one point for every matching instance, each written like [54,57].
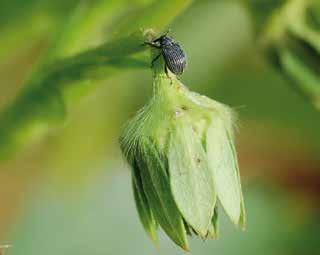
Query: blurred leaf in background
[290,36]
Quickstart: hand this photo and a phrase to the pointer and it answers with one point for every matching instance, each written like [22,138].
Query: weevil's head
[165,40]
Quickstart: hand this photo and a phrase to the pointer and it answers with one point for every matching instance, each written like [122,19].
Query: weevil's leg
[166,70]
[154,60]
[167,73]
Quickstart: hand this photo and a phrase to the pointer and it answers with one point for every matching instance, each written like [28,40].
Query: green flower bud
[184,165]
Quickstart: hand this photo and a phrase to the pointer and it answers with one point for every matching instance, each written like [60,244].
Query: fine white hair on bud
[180,147]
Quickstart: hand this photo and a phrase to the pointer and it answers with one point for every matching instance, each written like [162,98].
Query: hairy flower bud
[184,165]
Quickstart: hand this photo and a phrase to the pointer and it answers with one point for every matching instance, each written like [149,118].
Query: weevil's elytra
[174,56]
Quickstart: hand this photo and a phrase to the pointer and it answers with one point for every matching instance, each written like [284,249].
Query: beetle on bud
[174,57]
[181,150]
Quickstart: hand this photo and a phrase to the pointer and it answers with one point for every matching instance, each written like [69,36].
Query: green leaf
[306,79]
[144,210]
[42,103]
[29,118]
[223,164]
[156,15]
[261,10]
[190,178]
[213,231]
[243,220]
[87,23]
[73,77]
[156,185]
[291,40]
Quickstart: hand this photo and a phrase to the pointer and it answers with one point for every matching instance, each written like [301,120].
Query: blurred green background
[69,191]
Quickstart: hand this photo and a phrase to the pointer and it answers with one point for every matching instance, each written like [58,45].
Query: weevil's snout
[155,44]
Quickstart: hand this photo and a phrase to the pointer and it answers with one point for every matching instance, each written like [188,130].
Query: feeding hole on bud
[185,108]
